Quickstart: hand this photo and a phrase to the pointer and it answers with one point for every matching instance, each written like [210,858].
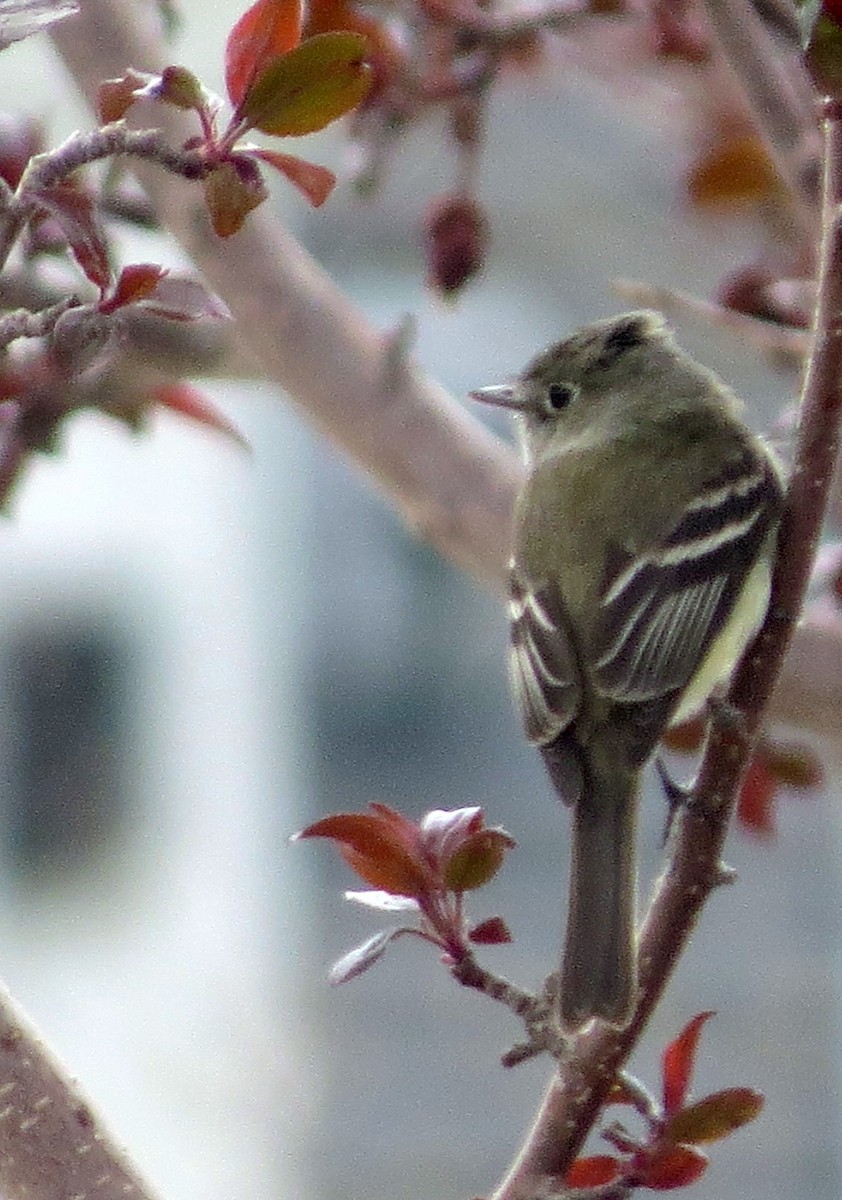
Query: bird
[644,541]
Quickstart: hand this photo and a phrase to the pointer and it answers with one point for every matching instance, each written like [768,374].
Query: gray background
[271,611]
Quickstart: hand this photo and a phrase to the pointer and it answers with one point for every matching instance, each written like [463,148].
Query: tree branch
[577,1094]
[52,1145]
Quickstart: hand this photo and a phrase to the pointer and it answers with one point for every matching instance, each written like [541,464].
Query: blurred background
[202,649]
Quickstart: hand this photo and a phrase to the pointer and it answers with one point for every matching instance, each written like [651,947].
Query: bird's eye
[559,395]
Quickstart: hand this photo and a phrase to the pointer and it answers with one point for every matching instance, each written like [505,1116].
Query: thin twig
[23,323]
[80,149]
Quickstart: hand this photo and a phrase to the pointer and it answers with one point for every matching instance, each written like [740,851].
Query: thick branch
[52,1145]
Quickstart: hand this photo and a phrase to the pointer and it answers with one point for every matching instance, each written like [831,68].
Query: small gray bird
[645,535]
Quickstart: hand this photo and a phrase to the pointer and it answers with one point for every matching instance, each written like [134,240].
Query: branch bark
[52,1144]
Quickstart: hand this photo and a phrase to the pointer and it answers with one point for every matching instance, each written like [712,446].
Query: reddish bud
[456,236]
[20,138]
[444,830]
[181,88]
[232,190]
[477,860]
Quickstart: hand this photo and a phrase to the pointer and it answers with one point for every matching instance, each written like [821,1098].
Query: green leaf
[715,1117]
[304,90]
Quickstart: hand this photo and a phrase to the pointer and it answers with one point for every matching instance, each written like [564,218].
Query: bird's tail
[599,965]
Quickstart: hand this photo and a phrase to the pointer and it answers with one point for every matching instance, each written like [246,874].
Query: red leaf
[716,1116]
[314,181]
[755,807]
[189,401]
[492,932]
[74,212]
[673,1167]
[352,964]
[269,28]
[116,96]
[381,846]
[678,1062]
[596,1171]
[136,282]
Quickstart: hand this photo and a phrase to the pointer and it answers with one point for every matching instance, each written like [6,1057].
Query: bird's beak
[502,395]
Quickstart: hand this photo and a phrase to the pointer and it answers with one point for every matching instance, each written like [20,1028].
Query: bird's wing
[662,609]
[542,660]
